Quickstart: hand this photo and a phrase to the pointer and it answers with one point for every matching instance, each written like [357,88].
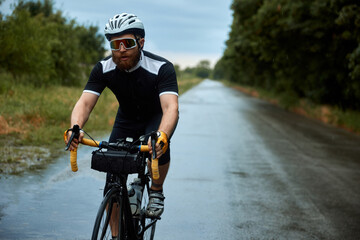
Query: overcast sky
[183,31]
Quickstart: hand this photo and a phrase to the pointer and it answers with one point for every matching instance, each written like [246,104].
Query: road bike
[122,212]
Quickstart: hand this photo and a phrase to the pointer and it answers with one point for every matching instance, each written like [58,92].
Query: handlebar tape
[73,153]
[154,163]
[154,160]
[144,148]
[90,142]
[155,168]
[73,158]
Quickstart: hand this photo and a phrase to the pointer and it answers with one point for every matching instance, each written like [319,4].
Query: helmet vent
[123,23]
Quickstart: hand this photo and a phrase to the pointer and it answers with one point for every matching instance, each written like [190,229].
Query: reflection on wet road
[241,169]
[52,204]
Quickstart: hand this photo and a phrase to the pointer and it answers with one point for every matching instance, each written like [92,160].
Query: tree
[203,69]
[219,71]
[24,46]
[40,46]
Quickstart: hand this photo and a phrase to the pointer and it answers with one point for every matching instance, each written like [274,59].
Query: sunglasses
[128,43]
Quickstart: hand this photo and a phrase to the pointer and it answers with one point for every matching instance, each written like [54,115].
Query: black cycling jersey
[138,90]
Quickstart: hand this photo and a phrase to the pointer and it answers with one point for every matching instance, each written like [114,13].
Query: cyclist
[145,86]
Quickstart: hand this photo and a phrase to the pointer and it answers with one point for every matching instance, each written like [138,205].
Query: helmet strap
[137,42]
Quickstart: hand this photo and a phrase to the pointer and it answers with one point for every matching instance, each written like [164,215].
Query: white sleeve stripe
[93,92]
[174,93]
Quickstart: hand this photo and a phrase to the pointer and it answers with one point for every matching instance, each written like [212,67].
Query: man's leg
[157,184]
[155,206]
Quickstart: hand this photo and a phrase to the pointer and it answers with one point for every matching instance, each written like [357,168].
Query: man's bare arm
[170,108]
[81,113]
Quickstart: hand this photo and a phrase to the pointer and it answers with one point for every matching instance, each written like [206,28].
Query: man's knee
[165,158]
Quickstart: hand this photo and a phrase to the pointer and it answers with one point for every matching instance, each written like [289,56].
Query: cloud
[187,30]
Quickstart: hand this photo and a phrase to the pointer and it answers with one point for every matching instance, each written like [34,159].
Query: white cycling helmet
[124,23]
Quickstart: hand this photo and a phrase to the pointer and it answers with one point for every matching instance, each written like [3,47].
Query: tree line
[41,47]
[298,49]
[201,70]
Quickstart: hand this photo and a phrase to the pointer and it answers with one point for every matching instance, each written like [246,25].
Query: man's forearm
[169,120]
[79,116]
[82,109]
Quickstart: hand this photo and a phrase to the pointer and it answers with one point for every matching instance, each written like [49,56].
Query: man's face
[126,59]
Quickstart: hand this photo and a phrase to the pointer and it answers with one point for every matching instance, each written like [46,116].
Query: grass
[33,120]
[186,82]
[346,119]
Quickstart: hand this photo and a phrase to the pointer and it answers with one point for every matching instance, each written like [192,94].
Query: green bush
[41,47]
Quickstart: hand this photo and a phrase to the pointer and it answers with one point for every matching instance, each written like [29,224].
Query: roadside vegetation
[44,57]
[304,55]
[328,114]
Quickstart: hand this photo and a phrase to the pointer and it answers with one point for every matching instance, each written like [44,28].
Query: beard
[125,64]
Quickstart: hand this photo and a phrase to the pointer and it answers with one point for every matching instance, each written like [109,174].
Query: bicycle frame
[129,222]
[125,207]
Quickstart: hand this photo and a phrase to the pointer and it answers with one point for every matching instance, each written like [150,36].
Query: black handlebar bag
[115,162]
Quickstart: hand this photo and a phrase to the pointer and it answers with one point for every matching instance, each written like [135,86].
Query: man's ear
[142,43]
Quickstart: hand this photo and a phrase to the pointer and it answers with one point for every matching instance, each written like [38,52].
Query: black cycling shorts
[126,128]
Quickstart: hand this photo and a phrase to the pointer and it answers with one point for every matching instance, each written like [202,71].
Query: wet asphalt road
[241,169]
[244,169]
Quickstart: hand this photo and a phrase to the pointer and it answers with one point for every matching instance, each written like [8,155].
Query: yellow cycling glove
[162,139]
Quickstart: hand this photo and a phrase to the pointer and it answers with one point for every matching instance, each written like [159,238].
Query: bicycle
[122,158]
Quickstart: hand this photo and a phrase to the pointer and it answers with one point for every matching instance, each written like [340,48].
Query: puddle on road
[54,203]
[17,160]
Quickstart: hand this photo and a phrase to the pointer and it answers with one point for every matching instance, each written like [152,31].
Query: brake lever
[153,144]
[75,134]
[69,142]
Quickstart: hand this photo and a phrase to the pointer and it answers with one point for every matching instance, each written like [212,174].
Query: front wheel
[107,222]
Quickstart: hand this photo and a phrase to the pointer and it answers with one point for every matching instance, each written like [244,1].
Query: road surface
[241,169]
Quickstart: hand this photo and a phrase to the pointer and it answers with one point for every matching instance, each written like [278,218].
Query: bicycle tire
[102,227]
[150,232]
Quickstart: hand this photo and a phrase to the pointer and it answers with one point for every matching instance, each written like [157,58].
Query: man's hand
[161,145]
[75,142]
